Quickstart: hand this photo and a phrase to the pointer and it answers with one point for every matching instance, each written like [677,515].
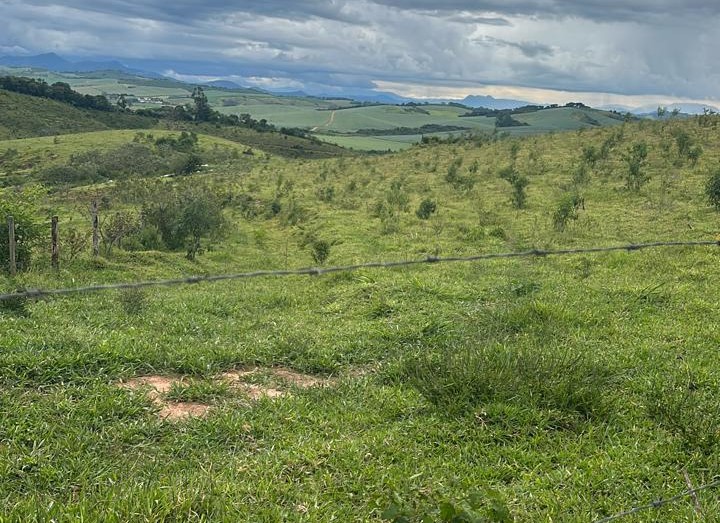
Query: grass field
[332,120]
[535,389]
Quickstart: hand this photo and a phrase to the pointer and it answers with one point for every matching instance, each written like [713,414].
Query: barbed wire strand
[317,271]
[659,503]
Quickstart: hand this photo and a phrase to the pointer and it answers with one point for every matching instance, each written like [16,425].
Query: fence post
[11,244]
[96,229]
[54,248]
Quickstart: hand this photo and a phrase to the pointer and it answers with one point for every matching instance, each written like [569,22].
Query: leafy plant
[635,158]
[320,250]
[184,216]
[567,210]
[712,189]
[488,507]
[23,205]
[518,183]
[426,209]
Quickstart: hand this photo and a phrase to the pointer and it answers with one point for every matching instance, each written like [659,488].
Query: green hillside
[25,116]
[536,388]
[339,121]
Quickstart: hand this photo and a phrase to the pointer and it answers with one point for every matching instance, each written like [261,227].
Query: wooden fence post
[11,245]
[96,229]
[54,248]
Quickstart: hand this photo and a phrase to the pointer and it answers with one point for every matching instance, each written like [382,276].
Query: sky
[628,52]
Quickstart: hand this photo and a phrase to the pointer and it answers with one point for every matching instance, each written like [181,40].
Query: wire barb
[659,503]
[316,271]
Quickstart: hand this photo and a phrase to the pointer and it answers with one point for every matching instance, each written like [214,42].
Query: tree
[122,102]
[184,217]
[202,110]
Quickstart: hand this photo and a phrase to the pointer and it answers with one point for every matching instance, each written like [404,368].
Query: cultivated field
[363,127]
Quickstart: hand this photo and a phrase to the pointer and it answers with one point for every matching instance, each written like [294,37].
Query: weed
[551,378]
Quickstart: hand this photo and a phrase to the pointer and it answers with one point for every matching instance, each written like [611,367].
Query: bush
[712,189]
[23,206]
[182,217]
[188,164]
[635,158]
[427,208]
[567,210]
[518,183]
[320,250]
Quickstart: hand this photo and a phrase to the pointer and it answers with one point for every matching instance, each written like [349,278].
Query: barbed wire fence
[318,271]
[661,502]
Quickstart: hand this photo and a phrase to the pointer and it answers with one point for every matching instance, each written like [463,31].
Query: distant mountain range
[492,103]
[651,110]
[56,63]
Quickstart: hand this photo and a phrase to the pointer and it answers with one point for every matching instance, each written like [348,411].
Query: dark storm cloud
[602,10]
[630,46]
[529,49]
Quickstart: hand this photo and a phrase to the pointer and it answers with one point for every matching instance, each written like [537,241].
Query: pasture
[562,388]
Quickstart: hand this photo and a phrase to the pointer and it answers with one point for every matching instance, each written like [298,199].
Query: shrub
[590,155]
[188,165]
[694,155]
[567,210]
[635,158]
[518,183]
[397,197]
[320,251]
[23,206]
[459,181]
[326,193]
[183,217]
[73,242]
[427,208]
[712,189]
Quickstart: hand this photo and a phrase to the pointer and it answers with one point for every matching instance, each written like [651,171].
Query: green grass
[563,388]
[333,121]
[26,116]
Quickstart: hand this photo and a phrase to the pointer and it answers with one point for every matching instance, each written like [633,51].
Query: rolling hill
[23,116]
[334,120]
[519,388]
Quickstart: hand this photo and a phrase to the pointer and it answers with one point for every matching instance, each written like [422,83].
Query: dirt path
[326,124]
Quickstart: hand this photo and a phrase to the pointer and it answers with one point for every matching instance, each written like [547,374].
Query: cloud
[529,49]
[629,47]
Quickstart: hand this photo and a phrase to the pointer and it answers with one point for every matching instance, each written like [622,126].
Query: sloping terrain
[24,116]
[534,388]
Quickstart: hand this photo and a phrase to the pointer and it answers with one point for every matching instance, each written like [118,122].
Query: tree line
[59,91]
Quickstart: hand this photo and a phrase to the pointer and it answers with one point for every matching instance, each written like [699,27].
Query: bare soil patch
[173,411]
[156,388]
[281,374]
